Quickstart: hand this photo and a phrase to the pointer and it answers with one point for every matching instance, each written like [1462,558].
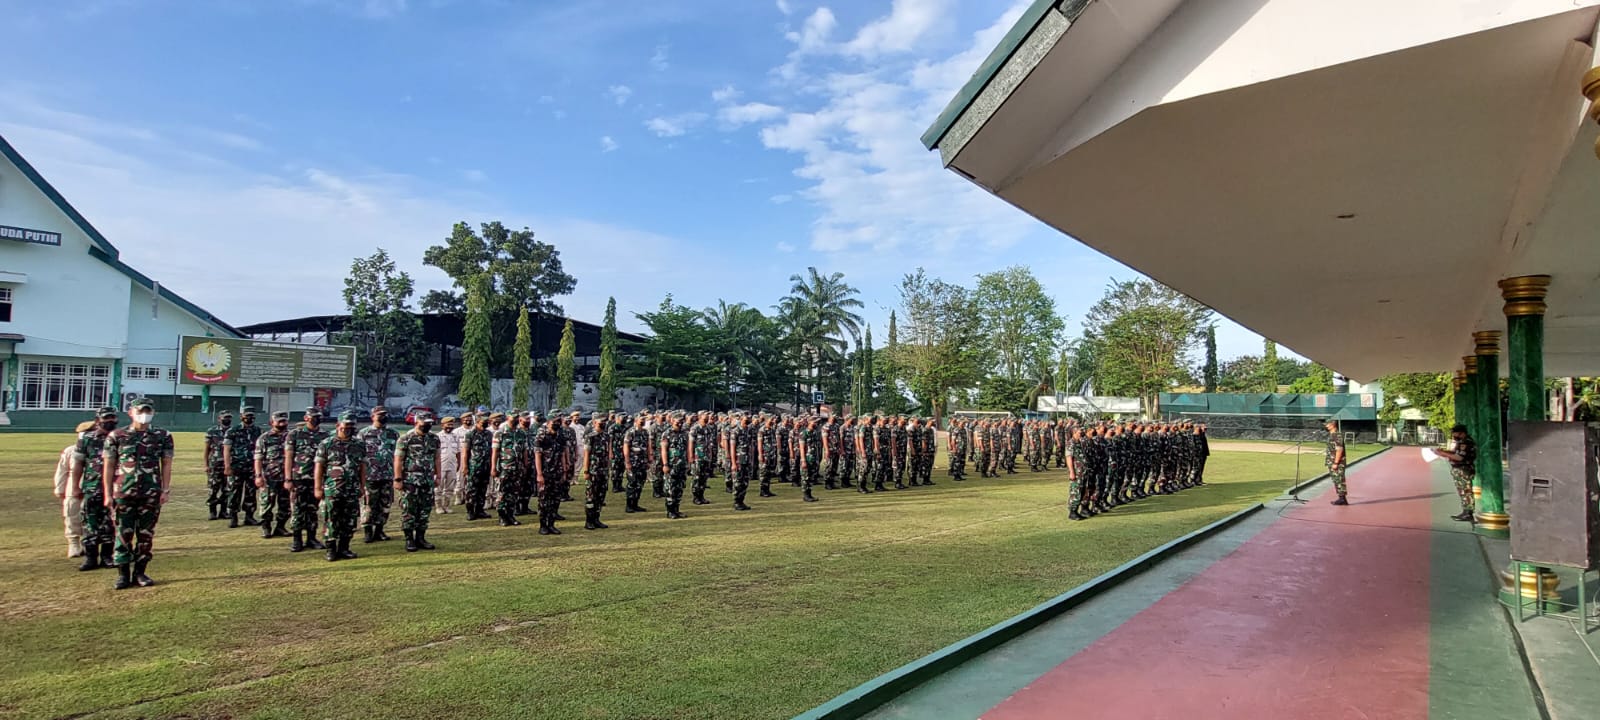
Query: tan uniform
[71,507]
[449,489]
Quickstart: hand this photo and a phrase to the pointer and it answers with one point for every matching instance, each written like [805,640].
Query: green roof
[992,64]
[102,249]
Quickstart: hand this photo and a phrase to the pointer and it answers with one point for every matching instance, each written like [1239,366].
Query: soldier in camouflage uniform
[216,475]
[866,453]
[380,440]
[847,453]
[897,450]
[658,427]
[914,451]
[930,444]
[1334,458]
[674,453]
[883,440]
[702,456]
[958,443]
[596,469]
[768,451]
[300,456]
[272,496]
[137,474]
[340,483]
[810,457]
[416,475]
[615,432]
[1077,468]
[1463,457]
[88,483]
[506,452]
[828,430]
[547,460]
[478,457]
[238,467]
[980,447]
[636,452]
[743,459]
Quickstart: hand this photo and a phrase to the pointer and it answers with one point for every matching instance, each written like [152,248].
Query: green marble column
[116,384]
[1524,310]
[1492,517]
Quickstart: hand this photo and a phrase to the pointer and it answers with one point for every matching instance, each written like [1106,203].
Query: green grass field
[721,615]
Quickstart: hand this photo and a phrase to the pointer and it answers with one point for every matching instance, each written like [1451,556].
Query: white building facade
[79,328]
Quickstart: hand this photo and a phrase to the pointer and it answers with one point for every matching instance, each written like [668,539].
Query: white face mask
[144,418]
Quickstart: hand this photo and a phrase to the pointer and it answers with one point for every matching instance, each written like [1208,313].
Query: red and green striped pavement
[1382,609]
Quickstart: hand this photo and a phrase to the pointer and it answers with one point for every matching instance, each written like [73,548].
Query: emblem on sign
[207,363]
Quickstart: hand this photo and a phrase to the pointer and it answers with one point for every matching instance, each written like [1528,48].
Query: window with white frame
[150,372]
[5,304]
[64,386]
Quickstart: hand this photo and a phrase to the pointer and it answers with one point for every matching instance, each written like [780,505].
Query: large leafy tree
[819,314]
[1243,374]
[608,359]
[1428,392]
[1143,332]
[678,358]
[522,272]
[566,367]
[942,349]
[750,351]
[386,334]
[475,353]
[1018,321]
[1318,379]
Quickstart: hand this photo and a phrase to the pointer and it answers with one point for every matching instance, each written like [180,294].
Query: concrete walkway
[1382,609]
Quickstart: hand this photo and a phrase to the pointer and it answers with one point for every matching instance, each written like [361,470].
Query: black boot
[767,492]
[1341,500]
[281,529]
[807,496]
[738,501]
[297,545]
[378,533]
[233,520]
[632,504]
[700,497]
[333,550]
[506,520]
[124,578]
[139,578]
[672,511]
[367,536]
[877,486]
[106,554]
[312,542]
[1073,515]
[411,543]
[211,507]
[421,537]
[250,518]
[1463,516]
[344,550]
[591,520]
[727,486]
[863,489]
[91,558]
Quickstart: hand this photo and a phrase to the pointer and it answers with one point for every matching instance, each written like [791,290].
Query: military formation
[316,486]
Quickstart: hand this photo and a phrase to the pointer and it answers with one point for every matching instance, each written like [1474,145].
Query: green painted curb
[1324,476]
[869,696]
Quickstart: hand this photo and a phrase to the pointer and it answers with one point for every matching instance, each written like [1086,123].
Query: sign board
[1321,401]
[37,237]
[817,397]
[233,361]
[1368,400]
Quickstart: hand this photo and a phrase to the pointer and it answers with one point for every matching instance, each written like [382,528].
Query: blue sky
[241,152]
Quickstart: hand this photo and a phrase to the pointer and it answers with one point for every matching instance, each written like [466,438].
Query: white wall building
[78,327]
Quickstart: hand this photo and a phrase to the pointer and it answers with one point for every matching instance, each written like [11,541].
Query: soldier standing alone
[1335,460]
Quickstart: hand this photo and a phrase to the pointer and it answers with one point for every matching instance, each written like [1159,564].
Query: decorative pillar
[1492,517]
[1524,310]
[116,384]
[205,399]
[1467,408]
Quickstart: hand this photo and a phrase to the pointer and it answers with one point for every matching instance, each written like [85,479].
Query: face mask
[108,425]
[144,418]
[281,425]
[383,420]
[313,423]
[425,427]
[227,422]
[249,421]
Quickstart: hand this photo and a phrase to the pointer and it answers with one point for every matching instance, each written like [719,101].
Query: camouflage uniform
[507,452]
[770,450]
[897,446]
[596,469]
[98,529]
[342,462]
[616,432]
[272,497]
[1462,471]
[637,442]
[1336,471]
[1077,450]
[885,460]
[301,449]
[418,454]
[380,442]
[138,455]
[675,457]
[704,436]
[831,455]
[240,444]
[847,454]
[866,454]
[216,479]
[479,444]
[742,459]
[548,447]
[811,458]
[958,450]
[658,426]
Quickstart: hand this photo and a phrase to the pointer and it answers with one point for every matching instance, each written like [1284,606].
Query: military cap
[85,426]
[379,410]
[423,416]
[575,413]
[348,416]
[247,411]
[497,418]
[467,417]
[143,402]
[281,415]
[314,411]
[105,412]
[447,420]
[225,414]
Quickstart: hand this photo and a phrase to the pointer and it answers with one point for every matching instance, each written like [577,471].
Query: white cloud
[876,187]
[607,144]
[620,94]
[725,94]
[675,125]
[814,33]
[781,198]
[784,247]
[738,115]
[899,31]
[658,60]
[785,8]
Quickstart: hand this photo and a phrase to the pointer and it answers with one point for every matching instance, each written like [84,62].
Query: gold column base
[1532,582]
[1494,521]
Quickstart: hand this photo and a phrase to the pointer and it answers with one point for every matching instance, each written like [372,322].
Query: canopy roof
[1350,179]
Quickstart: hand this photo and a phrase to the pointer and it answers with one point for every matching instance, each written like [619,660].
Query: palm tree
[818,314]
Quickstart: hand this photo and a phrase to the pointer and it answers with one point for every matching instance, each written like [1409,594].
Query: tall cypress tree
[1269,366]
[868,402]
[566,367]
[474,390]
[608,358]
[522,367]
[1210,370]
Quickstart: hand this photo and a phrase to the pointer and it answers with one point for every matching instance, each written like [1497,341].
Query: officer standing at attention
[142,454]
[299,474]
[239,467]
[380,440]
[216,478]
[547,474]
[272,496]
[450,471]
[636,454]
[339,483]
[1335,460]
[596,468]
[416,474]
[88,481]
[71,504]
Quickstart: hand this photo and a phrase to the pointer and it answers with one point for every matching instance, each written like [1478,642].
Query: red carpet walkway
[1382,609]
